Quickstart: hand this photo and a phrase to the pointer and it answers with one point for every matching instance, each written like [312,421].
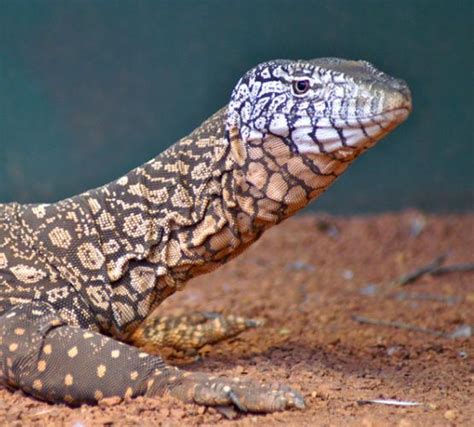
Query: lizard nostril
[397,99]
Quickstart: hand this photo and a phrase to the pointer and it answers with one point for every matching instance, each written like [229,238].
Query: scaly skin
[79,277]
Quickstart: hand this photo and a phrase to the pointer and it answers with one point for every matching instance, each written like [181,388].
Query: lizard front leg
[53,361]
[190,332]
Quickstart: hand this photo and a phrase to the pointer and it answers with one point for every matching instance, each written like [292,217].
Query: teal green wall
[90,89]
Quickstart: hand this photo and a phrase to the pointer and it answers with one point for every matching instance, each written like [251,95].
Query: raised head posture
[79,277]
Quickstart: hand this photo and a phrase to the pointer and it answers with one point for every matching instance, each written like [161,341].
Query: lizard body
[79,277]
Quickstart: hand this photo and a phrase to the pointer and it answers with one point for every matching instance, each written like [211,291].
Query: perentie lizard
[79,277]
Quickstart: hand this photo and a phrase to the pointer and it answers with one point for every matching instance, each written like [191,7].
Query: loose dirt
[308,278]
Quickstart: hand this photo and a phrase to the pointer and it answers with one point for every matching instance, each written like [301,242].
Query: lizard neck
[261,183]
[167,209]
[273,183]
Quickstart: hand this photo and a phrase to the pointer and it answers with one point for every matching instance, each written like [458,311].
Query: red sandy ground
[305,278]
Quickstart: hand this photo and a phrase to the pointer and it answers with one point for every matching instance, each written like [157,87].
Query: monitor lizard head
[322,106]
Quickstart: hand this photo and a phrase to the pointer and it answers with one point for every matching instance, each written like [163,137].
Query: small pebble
[370,289]
[392,350]
[417,225]
[450,414]
[165,412]
[300,266]
[463,331]
[348,274]
[404,423]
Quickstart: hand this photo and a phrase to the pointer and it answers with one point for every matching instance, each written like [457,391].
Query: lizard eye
[300,87]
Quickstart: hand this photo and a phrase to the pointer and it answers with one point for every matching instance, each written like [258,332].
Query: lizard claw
[236,401]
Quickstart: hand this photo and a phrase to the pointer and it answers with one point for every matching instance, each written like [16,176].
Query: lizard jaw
[337,135]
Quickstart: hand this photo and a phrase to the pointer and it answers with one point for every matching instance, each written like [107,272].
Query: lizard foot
[191,331]
[245,395]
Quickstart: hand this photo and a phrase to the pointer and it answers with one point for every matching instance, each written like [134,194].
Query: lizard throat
[275,182]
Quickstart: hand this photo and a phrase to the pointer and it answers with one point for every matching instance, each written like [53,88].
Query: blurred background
[90,89]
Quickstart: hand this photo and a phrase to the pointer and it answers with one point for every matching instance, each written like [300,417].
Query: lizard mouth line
[396,114]
[332,135]
[401,112]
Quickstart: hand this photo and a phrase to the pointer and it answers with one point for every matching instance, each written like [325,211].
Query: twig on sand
[398,325]
[461,332]
[424,296]
[411,276]
[391,402]
[455,268]
[434,267]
